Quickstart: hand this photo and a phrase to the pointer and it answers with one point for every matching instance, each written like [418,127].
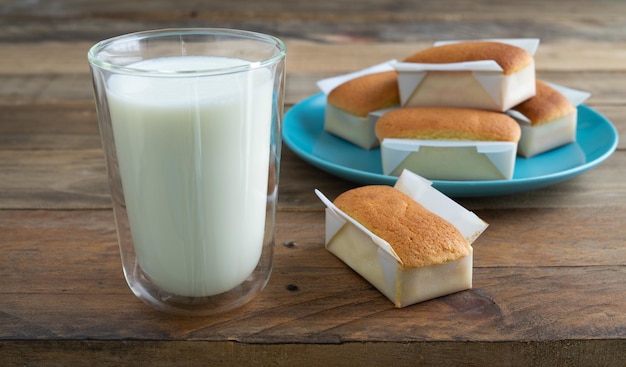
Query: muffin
[548,120]
[441,143]
[410,241]
[353,107]
[475,74]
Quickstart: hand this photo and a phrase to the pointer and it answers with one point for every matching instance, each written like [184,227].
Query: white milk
[193,157]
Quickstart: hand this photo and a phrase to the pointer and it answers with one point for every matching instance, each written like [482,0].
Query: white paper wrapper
[449,160]
[476,84]
[360,131]
[328,84]
[547,136]
[355,129]
[376,261]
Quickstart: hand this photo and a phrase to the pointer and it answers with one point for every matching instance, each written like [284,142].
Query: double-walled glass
[190,124]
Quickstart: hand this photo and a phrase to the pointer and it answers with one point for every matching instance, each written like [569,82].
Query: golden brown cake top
[366,94]
[418,236]
[447,123]
[510,58]
[547,105]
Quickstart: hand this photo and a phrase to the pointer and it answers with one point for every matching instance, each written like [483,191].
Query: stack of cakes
[454,111]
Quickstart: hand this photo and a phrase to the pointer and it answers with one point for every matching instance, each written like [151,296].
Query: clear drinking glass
[190,122]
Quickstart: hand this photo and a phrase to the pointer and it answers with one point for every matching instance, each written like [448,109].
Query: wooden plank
[63,76]
[62,280]
[159,353]
[72,89]
[53,179]
[63,126]
[366,21]
[536,245]
[601,186]
[277,8]
[532,8]
[76,179]
[70,57]
[27,99]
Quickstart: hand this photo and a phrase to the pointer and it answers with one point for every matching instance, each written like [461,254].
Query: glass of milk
[190,125]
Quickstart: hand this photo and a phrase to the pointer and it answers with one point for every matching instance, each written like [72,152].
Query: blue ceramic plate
[303,132]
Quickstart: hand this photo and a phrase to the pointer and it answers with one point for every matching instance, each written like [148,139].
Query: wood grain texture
[67,179]
[549,272]
[63,75]
[202,353]
[529,288]
[329,21]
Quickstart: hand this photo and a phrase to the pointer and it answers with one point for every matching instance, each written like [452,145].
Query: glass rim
[94,60]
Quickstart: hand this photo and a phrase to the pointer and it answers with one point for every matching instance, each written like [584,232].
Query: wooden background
[549,273]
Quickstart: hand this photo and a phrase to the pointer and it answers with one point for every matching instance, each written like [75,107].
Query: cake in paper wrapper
[486,74]
[548,120]
[355,101]
[424,249]
[442,143]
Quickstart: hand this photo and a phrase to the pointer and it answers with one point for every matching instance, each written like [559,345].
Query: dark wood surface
[549,273]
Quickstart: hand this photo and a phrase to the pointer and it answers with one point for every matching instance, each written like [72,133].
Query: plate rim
[449,187]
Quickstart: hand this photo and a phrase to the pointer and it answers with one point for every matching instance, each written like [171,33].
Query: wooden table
[549,273]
